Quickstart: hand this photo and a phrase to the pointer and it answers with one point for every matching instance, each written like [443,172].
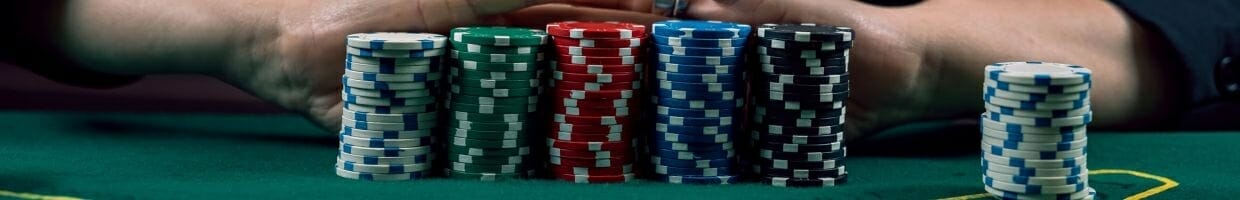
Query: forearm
[153,36]
[1131,85]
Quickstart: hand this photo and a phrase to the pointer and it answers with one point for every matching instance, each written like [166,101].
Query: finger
[539,16]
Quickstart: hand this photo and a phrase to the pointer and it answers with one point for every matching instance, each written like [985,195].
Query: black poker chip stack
[798,100]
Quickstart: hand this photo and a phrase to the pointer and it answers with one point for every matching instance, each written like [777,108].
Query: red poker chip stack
[595,81]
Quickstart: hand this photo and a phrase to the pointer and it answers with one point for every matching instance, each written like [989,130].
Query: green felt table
[278,156]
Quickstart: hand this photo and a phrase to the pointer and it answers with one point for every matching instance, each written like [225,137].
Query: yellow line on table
[1167,185]
[18,195]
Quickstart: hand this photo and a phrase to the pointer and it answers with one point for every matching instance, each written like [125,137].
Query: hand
[299,67]
[923,61]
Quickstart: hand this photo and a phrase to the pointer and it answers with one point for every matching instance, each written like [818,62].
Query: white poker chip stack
[1033,131]
[389,111]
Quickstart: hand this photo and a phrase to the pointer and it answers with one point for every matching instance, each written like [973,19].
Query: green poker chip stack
[492,102]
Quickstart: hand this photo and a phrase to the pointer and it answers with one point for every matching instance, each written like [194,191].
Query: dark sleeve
[1206,36]
[34,45]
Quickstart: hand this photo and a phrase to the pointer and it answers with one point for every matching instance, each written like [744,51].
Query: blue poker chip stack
[389,108]
[798,104]
[1033,131]
[698,100]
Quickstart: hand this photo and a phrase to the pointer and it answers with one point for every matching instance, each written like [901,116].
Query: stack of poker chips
[697,102]
[1033,131]
[389,108]
[594,107]
[798,115]
[494,78]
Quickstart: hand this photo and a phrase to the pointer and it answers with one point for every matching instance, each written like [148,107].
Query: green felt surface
[211,156]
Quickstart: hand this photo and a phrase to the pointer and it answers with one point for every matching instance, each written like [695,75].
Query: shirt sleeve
[1206,37]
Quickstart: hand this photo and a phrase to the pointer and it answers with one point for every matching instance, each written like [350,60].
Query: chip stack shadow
[389,108]
[493,100]
[798,117]
[596,80]
[697,101]
[1033,131]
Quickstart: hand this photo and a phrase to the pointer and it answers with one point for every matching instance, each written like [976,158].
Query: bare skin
[912,63]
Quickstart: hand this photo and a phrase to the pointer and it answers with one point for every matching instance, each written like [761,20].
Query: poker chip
[591,129]
[697,104]
[681,146]
[351,91]
[375,53]
[804,182]
[378,176]
[595,95]
[414,77]
[591,120]
[698,60]
[699,69]
[1038,73]
[588,162]
[593,104]
[382,85]
[381,168]
[589,146]
[595,51]
[380,160]
[594,112]
[695,42]
[499,36]
[798,70]
[396,41]
[392,62]
[798,116]
[702,113]
[414,109]
[394,69]
[599,43]
[488,49]
[497,66]
[596,179]
[592,171]
[385,152]
[695,130]
[695,51]
[805,32]
[384,143]
[696,95]
[1034,139]
[802,62]
[611,30]
[350,131]
[698,29]
[493,95]
[595,78]
[696,78]
[709,163]
[683,171]
[692,138]
[371,101]
[458,73]
[811,53]
[591,137]
[596,69]
[593,86]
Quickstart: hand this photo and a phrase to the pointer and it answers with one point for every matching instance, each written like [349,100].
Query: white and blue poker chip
[385,142]
[696,95]
[1034,189]
[384,85]
[374,53]
[380,160]
[385,152]
[698,60]
[1034,172]
[1036,163]
[699,180]
[695,130]
[1010,128]
[1038,73]
[1037,146]
[351,91]
[383,126]
[700,69]
[694,155]
[396,41]
[378,176]
[1035,97]
[699,51]
[685,171]
[391,109]
[413,77]
[693,138]
[691,163]
[393,62]
[395,69]
[696,104]
[371,101]
[352,131]
[997,150]
[659,143]
[670,111]
[699,29]
[1036,105]
[695,42]
[1038,180]
[1039,89]
[703,87]
[1078,120]
[697,78]
[695,121]
[1022,137]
